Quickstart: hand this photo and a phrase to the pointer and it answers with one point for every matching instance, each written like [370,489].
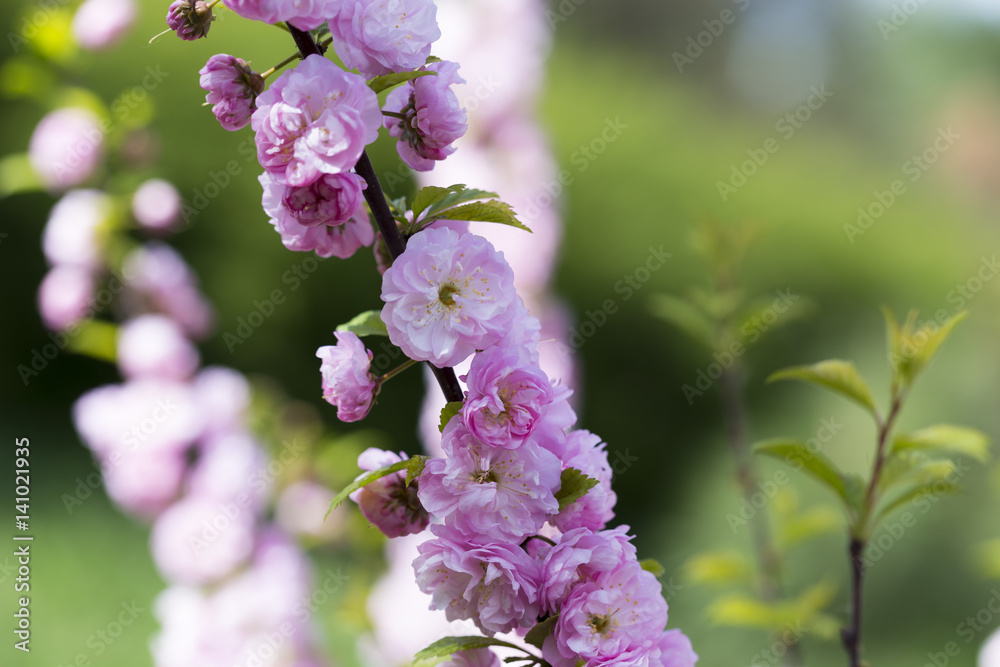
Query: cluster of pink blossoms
[504,552]
[313,123]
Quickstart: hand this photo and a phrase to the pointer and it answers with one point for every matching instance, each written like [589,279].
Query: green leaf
[387,81]
[811,523]
[458,194]
[447,412]
[368,323]
[686,317]
[491,210]
[432,194]
[373,475]
[536,635]
[415,468]
[718,568]
[741,610]
[911,348]
[933,477]
[573,486]
[443,648]
[948,439]
[798,455]
[838,376]
[95,338]
[652,565]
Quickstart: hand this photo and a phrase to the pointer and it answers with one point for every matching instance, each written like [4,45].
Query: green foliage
[686,317]
[806,610]
[837,376]
[97,339]
[719,568]
[536,635]
[446,646]
[450,409]
[573,485]
[457,202]
[946,439]
[393,79]
[798,455]
[652,565]
[368,323]
[912,346]
[413,466]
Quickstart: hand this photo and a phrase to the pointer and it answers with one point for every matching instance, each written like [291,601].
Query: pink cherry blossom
[66,147]
[338,240]
[381,36]
[303,14]
[315,119]
[579,554]
[482,490]
[494,584]
[156,205]
[674,650]
[347,379]
[73,235]
[155,346]
[191,20]
[161,281]
[614,613]
[388,503]
[332,199]
[66,296]
[505,397]
[199,540]
[446,296]
[478,657]
[433,117]
[100,24]
[585,452]
[233,88]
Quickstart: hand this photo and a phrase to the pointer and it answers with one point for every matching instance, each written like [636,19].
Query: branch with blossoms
[516,511]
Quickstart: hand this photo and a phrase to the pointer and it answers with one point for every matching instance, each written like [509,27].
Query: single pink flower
[381,36]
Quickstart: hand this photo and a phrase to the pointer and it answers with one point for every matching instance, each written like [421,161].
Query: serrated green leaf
[798,455]
[686,317]
[448,411]
[366,479]
[430,195]
[368,323]
[444,647]
[536,635]
[415,468]
[573,485]
[838,376]
[387,81]
[719,568]
[653,566]
[945,438]
[459,194]
[491,210]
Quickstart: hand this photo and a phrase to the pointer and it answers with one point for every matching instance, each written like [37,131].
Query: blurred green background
[685,131]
